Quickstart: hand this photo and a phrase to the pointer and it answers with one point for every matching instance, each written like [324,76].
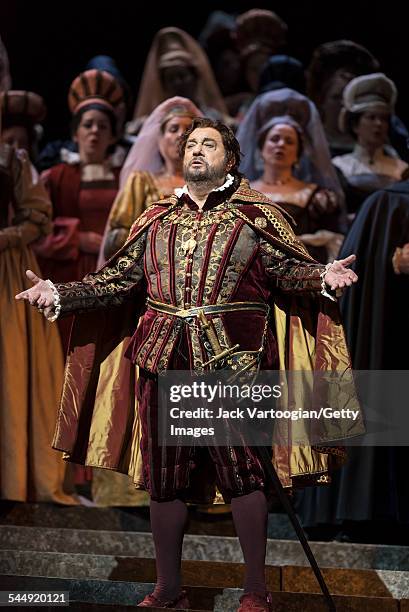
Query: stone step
[213,522]
[120,596]
[351,582]
[200,547]
[105,567]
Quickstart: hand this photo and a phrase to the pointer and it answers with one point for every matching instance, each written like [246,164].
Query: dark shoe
[181,602]
[253,602]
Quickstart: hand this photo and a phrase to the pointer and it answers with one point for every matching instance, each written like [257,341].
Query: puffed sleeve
[31,205]
[116,282]
[129,204]
[289,274]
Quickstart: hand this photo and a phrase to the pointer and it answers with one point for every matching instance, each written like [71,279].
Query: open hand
[400,260]
[339,276]
[40,295]
[404,260]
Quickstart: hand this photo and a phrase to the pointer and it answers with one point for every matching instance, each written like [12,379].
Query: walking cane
[219,354]
[266,460]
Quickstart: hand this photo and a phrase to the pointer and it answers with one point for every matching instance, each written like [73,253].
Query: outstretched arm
[111,286]
[293,275]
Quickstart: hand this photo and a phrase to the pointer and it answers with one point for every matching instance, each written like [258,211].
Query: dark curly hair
[230,142]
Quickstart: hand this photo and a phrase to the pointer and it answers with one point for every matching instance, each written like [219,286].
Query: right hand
[401,260]
[404,262]
[90,242]
[40,295]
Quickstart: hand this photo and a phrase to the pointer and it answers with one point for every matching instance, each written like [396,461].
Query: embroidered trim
[56,303]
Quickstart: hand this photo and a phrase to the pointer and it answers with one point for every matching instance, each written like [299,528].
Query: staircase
[104,558]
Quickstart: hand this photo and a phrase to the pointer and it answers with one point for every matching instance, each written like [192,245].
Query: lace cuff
[324,291]
[56,305]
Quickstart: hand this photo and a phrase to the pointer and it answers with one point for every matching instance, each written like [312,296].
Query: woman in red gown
[82,192]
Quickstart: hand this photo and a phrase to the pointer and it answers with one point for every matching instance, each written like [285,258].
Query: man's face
[205,157]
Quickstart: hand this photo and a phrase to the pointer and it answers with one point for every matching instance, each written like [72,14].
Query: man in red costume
[227,249]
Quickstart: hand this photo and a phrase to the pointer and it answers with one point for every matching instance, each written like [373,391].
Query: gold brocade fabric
[31,365]
[99,384]
[110,488]
[31,360]
[139,192]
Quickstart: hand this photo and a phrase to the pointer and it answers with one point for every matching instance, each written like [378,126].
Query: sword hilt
[225,353]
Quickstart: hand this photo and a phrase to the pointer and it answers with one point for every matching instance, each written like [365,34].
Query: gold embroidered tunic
[238,250]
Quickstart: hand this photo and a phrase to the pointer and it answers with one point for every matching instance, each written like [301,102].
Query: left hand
[339,276]
[40,295]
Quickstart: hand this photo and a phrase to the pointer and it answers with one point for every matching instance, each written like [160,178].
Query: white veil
[151,91]
[144,153]
[315,164]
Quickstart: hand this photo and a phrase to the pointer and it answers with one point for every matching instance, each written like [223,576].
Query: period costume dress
[31,360]
[332,66]
[239,249]
[140,192]
[81,194]
[82,197]
[23,109]
[260,34]
[312,209]
[175,48]
[362,173]
[319,204]
[139,187]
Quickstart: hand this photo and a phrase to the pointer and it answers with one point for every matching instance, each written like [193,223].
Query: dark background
[49,43]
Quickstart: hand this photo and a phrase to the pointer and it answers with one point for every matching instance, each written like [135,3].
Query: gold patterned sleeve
[290,274]
[110,286]
[129,204]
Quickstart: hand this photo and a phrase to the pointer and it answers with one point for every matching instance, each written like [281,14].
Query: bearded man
[216,253]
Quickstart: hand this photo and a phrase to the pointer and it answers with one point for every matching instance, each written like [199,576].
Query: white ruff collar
[179,191]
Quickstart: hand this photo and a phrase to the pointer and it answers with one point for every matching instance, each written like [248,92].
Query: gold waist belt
[206,309]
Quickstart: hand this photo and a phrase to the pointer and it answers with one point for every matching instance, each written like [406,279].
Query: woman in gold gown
[31,360]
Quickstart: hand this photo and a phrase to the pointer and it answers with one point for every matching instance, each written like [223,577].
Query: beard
[205,174]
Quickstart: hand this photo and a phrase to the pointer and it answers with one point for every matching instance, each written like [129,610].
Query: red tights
[168,521]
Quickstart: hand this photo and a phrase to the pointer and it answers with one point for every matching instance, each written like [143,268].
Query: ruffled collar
[180,191]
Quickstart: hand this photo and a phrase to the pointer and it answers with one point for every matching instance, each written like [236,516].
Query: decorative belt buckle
[183,313]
